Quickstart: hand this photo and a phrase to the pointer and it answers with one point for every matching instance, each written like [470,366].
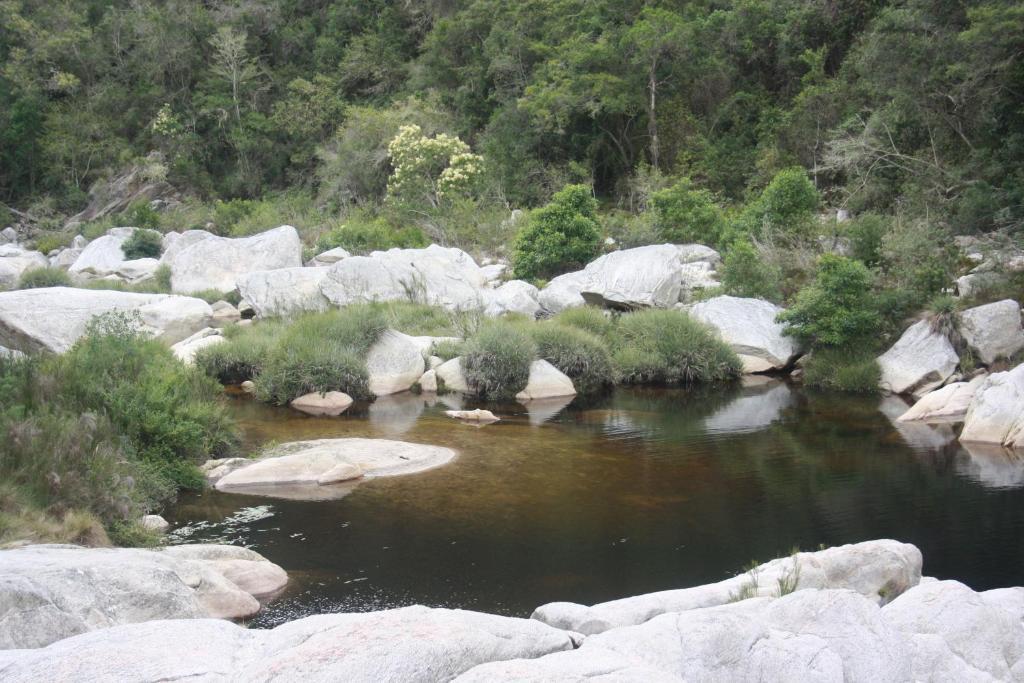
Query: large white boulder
[15,261]
[921,360]
[994,330]
[879,570]
[451,374]
[200,261]
[563,292]
[545,381]
[50,592]
[328,258]
[53,318]
[394,363]
[408,644]
[284,292]
[996,413]
[514,296]
[947,404]
[104,258]
[186,349]
[329,403]
[299,469]
[438,276]
[748,326]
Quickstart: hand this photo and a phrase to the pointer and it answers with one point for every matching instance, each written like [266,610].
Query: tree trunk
[652,116]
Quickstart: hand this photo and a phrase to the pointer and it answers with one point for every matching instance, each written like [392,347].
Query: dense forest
[912,106]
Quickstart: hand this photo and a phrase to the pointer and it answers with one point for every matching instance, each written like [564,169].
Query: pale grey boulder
[53,318]
[245,568]
[479,415]
[958,635]
[450,373]
[224,314]
[749,327]
[996,412]
[296,469]
[175,242]
[329,403]
[103,255]
[514,296]
[993,331]
[15,262]
[879,570]
[65,258]
[563,292]
[656,276]
[328,258]
[946,404]
[8,236]
[545,381]
[284,292]
[921,360]
[217,263]
[428,381]
[155,523]
[394,363]
[917,434]
[186,349]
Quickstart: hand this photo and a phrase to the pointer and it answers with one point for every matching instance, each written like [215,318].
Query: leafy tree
[560,236]
[685,214]
[430,170]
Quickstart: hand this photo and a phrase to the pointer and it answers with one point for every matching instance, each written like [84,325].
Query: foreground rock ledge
[49,592]
[320,469]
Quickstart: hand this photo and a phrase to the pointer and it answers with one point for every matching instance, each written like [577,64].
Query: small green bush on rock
[685,214]
[671,347]
[747,273]
[497,360]
[142,244]
[560,236]
[44,277]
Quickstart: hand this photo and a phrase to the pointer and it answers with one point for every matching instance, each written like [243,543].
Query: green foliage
[141,215]
[866,233]
[44,277]
[430,170]
[839,370]
[560,236]
[244,355]
[685,214]
[785,207]
[590,319]
[670,347]
[142,243]
[583,357]
[51,241]
[362,235]
[836,309]
[496,361]
[747,273]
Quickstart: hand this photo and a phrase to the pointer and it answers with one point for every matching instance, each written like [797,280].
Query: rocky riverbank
[860,612]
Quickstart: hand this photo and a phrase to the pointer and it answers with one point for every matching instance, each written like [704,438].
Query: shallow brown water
[643,490]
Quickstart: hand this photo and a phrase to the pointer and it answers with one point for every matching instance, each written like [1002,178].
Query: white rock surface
[294,470]
[328,258]
[428,381]
[205,262]
[408,644]
[994,330]
[103,256]
[155,523]
[15,261]
[478,415]
[563,292]
[65,258]
[992,466]
[873,568]
[920,361]
[749,327]
[394,363]
[514,296]
[224,314]
[51,592]
[451,374]
[546,381]
[947,404]
[186,349]
[996,413]
[53,318]
[330,403]
[284,292]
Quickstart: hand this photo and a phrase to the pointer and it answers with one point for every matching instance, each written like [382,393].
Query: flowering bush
[430,169]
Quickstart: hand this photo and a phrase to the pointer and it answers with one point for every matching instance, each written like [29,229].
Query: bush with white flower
[433,170]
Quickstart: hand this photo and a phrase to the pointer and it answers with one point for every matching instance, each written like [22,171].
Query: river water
[641,490]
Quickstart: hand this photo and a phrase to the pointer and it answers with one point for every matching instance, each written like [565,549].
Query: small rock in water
[330,403]
[477,415]
[155,523]
[248,386]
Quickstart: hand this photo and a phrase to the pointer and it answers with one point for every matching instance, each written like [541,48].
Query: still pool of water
[642,490]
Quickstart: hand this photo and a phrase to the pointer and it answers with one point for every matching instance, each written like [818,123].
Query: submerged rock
[921,360]
[749,327]
[297,469]
[329,403]
[993,331]
[202,261]
[49,592]
[879,570]
[53,318]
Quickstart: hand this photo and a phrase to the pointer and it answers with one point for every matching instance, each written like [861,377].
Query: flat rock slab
[310,469]
[478,415]
[331,403]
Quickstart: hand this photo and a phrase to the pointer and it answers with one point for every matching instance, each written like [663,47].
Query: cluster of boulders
[854,613]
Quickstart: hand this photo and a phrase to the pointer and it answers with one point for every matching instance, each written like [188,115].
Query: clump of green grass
[496,361]
[143,244]
[244,355]
[44,277]
[841,370]
[590,319]
[583,357]
[670,347]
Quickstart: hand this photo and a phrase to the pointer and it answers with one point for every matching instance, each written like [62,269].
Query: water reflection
[991,466]
[542,410]
[645,489]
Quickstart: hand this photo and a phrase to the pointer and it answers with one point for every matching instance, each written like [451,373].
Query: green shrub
[227,214]
[44,277]
[747,273]
[836,309]
[50,241]
[590,319]
[140,215]
[839,370]
[670,347]
[142,244]
[418,319]
[560,236]
[497,360]
[865,233]
[244,354]
[685,214]
[364,236]
[583,357]
[448,349]
[786,207]
[302,365]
